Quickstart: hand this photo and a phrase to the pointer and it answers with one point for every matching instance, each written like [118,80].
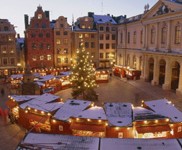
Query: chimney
[90,14]
[47,14]
[26,21]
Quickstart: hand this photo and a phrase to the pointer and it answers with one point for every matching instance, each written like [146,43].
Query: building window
[66,60]
[49,57]
[43,25]
[41,46]
[33,35]
[6,28]
[113,46]
[10,38]
[152,38]
[107,29]
[128,37]
[5,61]
[107,46]
[121,36]
[12,51]
[141,36]
[134,37]
[92,36]
[65,33]
[101,28]
[83,26]
[41,57]
[101,55]
[180,129]
[61,25]
[113,37]
[57,32]
[92,45]
[48,35]
[65,51]
[177,34]
[107,36]
[59,60]
[58,41]
[48,46]
[86,35]
[113,29]
[107,55]
[86,44]
[101,36]
[93,55]
[65,41]
[34,58]
[33,46]
[101,46]
[163,35]
[39,16]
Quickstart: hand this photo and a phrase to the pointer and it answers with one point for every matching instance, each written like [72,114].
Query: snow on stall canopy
[118,114]
[46,78]
[39,83]
[16,76]
[40,100]
[140,113]
[103,19]
[71,108]
[62,142]
[139,144]
[180,140]
[92,113]
[165,108]
[66,73]
[22,98]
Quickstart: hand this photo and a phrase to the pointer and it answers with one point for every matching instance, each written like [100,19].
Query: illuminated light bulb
[167,120]
[48,114]
[117,128]
[156,121]
[145,121]
[26,111]
[54,121]
[42,112]
[106,124]
[70,120]
[77,119]
[99,121]
[35,110]
[88,120]
[128,128]
[28,108]
[171,125]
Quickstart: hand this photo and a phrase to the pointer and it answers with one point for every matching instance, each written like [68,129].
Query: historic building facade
[152,42]
[39,40]
[62,42]
[84,30]
[8,62]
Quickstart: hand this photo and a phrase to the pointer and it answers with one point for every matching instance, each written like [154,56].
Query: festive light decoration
[83,76]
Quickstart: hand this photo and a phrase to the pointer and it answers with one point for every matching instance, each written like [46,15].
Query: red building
[39,40]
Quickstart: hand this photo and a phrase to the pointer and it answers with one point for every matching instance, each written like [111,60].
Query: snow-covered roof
[103,19]
[140,113]
[67,73]
[16,76]
[165,108]
[39,83]
[176,1]
[92,113]
[21,98]
[118,114]
[71,108]
[62,142]
[40,100]
[46,78]
[139,144]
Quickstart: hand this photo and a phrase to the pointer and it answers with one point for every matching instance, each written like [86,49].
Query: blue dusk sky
[14,10]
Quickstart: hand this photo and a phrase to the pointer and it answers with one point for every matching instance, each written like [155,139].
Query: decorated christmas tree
[83,76]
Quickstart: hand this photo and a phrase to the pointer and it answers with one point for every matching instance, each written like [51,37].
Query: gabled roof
[165,108]
[119,114]
[101,19]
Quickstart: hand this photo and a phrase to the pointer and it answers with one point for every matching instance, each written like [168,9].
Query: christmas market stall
[64,78]
[16,80]
[119,117]
[62,118]
[148,124]
[167,109]
[90,122]
[102,76]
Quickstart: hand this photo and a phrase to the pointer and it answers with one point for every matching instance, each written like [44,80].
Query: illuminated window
[48,46]
[10,38]
[12,51]
[180,129]
[86,19]
[177,34]
[65,51]
[58,41]
[39,16]
[41,57]
[65,60]
[34,58]
[49,57]
[87,35]
[83,26]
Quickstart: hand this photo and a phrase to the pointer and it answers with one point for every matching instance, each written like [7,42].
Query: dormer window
[39,16]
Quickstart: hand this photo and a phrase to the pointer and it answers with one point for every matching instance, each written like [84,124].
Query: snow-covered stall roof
[165,108]
[46,78]
[139,144]
[140,113]
[22,98]
[92,113]
[55,141]
[40,100]
[16,76]
[103,19]
[118,114]
[71,108]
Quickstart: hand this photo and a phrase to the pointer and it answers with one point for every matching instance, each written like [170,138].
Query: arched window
[177,34]
[152,35]
[163,35]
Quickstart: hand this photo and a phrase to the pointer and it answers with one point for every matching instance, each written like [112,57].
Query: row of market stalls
[49,83]
[67,142]
[126,72]
[48,114]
